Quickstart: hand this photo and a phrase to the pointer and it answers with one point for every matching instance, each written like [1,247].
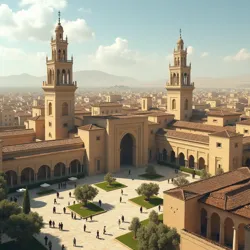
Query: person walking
[75,217]
[120,199]
[122,219]
[72,215]
[141,209]
[57,195]
[119,223]
[84,228]
[97,234]
[74,242]
[104,230]
[55,201]
[50,223]
[54,210]
[121,191]
[68,203]
[168,180]
[63,247]
[53,223]
[172,180]
[100,203]
[74,202]
[64,210]
[159,207]
[69,194]
[46,240]
[50,245]
[91,217]
[61,226]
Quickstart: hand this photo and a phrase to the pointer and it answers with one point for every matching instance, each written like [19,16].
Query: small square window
[246,131]
[98,138]
[218,145]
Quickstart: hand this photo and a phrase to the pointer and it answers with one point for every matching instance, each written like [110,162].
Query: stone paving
[111,202]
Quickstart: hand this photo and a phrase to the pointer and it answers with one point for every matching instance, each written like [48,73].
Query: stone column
[18,180]
[235,239]
[208,228]
[247,237]
[222,236]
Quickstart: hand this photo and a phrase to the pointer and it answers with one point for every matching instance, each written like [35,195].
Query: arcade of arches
[127,150]
[222,230]
[29,175]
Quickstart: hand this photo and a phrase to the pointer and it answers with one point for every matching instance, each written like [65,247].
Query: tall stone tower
[59,89]
[180,88]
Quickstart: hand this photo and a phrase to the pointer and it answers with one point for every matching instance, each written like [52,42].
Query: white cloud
[204,54]
[78,30]
[57,4]
[242,55]
[10,54]
[85,10]
[190,50]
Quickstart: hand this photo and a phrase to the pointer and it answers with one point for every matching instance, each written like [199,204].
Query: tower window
[50,124]
[50,108]
[50,135]
[173,104]
[218,145]
[65,108]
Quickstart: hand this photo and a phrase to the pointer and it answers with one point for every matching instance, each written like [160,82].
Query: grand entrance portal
[127,150]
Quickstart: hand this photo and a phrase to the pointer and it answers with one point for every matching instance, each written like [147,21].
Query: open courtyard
[110,202]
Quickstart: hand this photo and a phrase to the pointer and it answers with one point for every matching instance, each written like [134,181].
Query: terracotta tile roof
[184,135]
[244,122]
[156,114]
[10,128]
[41,145]
[226,134]
[223,113]
[90,127]
[107,104]
[16,132]
[246,140]
[201,126]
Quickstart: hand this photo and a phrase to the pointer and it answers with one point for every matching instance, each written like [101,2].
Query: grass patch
[86,211]
[128,240]
[115,185]
[151,176]
[44,192]
[33,244]
[153,201]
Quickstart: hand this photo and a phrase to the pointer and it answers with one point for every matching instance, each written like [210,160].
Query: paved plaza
[111,202]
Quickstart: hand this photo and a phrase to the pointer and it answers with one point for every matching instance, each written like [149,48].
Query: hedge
[37,184]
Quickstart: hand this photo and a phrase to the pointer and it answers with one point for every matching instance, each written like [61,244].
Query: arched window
[65,108]
[186,104]
[185,79]
[68,80]
[59,54]
[50,77]
[64,78]
[174,79]
[50,108]
[173,104]
[64,55]
[58,77]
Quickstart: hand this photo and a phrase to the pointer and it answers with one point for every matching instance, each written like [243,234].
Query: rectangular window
[98,165]
[214,120]
[246,131]
[50,124]
[218,145]
[98,138]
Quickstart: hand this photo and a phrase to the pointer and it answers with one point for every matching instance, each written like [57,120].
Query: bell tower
[180,88]
[59,89]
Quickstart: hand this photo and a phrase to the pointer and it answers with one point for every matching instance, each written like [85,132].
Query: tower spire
[59,18]
[180,34]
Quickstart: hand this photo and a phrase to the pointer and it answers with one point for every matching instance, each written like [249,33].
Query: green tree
[7,209]
[204,174]
[85,193]
[148,189]
[180,181]
[153,217]
[219,171]
[3,187]
[26,202]
[22,227]
[135,225]
[150,170]
[109,178]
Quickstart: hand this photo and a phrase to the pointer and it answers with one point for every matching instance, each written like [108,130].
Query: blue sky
[132,38]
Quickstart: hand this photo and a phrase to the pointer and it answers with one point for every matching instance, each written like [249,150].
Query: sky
[132,38]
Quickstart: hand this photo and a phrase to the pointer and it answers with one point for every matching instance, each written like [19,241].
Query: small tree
[180,181]
[219,171]
[150,169]
[204,174]
[153,217]
[85,193]
[26,202]
[148,189]
[109,178]
[135,225]
[3,187]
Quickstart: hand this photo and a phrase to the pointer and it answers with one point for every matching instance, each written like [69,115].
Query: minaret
[180,88]
[59,89]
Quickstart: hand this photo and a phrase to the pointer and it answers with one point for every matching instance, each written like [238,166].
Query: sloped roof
[90,127]
[226,134]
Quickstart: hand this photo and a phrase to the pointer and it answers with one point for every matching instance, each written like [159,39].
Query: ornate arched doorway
[27,175]
[228,231]
[59,170]
[203,222]
[201,163]
[181,160]
[172,156]
[11,178]
[215,227]
[127,150]
[191,161]
[43,173]
[75,167]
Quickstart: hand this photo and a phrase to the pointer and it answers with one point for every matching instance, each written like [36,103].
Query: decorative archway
[241,236]
[27,175]
[201,163]
[43,173]
[172,156]
[127,150]
[228,231]
[215,227]
[11,178]
[165,155]
[64,77]
[59,170]
[75,167]
[203,225]
[58,77]
[191,161]
[181,159]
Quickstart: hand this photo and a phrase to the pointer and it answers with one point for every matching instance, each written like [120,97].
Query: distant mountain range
[99,79]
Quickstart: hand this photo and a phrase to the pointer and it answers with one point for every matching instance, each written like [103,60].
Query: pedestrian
[46,240]
[63,247]
[54,210]
[72,215]
[50,223]
[119,222]
[74,242]
[84,228]
[55,201]
[100,203]
[74,202]
[11,199]
[104,230]
[172,180]
[50,245]
[75,217]
[69,194]
[53,223]
[120,199]
[141,209]
[64,210]
[86,218]
[122,219]
[121,191]
[68,203]
[57,195]
[168,180]
[15,199]
[75,185]
[91,217]
[97,234]
[61,226]
[159,207]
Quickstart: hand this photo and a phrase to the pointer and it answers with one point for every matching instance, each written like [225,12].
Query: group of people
[13,199]
[49,243]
